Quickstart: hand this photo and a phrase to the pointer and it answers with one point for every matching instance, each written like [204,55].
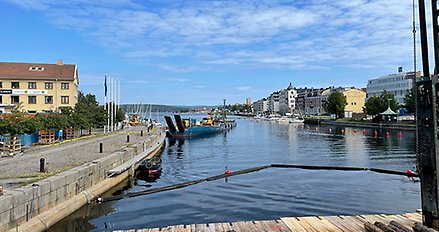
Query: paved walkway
[24,167]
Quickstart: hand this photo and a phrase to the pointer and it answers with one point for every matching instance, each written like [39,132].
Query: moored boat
[190,127]
[151,167]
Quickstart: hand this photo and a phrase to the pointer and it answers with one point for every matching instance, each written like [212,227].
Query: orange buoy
[375,133]
[355,131]
[227,171]
[364,132]
[400,135]
[410,172]
[387,134]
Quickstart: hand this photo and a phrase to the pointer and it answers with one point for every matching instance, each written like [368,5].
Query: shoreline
[314,121]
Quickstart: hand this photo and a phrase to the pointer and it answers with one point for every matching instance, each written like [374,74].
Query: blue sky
[199,52]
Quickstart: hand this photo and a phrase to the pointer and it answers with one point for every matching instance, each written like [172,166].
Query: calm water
[268,194]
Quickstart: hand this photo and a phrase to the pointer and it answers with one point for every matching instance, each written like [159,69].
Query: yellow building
[355,99]
[38,88]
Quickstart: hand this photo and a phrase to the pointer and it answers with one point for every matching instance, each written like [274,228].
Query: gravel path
[67,155]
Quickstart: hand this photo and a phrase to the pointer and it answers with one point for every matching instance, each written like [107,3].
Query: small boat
[190,127]
[151,167]
[297,120]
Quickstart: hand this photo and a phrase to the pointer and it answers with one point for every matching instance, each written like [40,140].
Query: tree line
[86,114]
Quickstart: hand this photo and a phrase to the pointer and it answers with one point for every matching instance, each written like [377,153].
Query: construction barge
[190,127]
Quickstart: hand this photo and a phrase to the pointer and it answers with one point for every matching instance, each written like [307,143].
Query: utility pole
[426,123]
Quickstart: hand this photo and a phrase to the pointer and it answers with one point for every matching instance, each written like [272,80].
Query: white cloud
[243,88]
[197,35]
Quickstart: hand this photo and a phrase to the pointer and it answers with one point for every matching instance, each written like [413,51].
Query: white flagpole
[115,104]
[113,120]
[108,104]
[105,99]
[118,97]
[111,104]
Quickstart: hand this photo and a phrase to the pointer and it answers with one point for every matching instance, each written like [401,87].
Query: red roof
[37,71]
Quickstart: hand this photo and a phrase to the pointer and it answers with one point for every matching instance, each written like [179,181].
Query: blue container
[29,139]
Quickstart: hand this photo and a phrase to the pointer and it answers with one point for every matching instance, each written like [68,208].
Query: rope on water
[249,170]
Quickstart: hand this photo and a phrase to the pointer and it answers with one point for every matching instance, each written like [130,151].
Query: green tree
[410,100]
[378,104]
[51,122]
[373,106]
[87,112]
[335,104]
[120,115]
[17,123]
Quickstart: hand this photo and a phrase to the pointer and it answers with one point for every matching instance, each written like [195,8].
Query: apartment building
[287,100]
[260,106]
[355,99]
[38,87]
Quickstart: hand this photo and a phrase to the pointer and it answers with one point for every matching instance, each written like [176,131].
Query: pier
[299,224]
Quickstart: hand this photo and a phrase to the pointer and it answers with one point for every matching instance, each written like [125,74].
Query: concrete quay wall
[362,124]
[39,205]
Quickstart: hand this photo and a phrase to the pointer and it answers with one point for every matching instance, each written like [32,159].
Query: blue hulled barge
[190,127]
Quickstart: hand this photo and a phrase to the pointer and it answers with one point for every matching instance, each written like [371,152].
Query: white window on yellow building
[48,99]
[15,85]
[32,99]
[15,99]
[48,85]
[64,85]
[64,99]
[32,85]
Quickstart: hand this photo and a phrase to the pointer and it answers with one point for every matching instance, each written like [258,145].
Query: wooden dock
[301,224]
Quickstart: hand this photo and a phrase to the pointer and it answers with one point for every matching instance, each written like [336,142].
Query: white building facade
[260,106]
[273,103]
[287,100]
[397,84]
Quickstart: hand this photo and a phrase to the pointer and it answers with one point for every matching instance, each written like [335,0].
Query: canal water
[270,193]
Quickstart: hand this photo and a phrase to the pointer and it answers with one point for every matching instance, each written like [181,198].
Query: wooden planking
[226,226]
[354,223]
[306,225]
[413,216]
[320,224]
[341,223]
[293,224]
[299,224]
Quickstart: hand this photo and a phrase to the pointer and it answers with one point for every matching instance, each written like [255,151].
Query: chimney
[59,62]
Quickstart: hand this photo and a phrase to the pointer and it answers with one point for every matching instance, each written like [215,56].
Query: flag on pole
[105,85]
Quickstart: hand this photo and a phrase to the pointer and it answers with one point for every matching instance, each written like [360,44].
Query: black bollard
[141,133]
[101,147]
[128,138]
[42,161]
[148,129]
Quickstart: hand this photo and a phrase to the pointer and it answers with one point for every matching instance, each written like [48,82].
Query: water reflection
[271,193]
